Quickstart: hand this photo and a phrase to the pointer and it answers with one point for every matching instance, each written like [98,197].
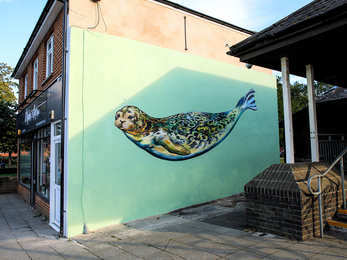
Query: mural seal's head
[130,119]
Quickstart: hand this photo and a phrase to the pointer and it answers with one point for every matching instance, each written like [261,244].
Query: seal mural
[181,136]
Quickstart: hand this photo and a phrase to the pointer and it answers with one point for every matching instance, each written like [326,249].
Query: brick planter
[278,201]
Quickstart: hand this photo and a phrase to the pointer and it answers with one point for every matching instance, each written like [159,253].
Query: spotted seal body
[181,136]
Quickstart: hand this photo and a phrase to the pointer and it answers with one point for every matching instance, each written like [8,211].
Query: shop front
[39,130]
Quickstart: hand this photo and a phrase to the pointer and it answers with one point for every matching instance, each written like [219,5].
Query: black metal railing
[330,149]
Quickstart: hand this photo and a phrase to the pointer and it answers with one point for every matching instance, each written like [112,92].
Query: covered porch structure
[308,43]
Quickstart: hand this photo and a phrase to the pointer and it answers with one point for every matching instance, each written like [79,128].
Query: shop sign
[32,115]
[37,114]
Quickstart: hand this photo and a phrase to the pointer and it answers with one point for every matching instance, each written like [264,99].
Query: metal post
[185,33]
[320,207]
[312,114]
[287,109]
[343,182]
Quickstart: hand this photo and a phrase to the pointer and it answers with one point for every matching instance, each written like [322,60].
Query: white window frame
[36,73]
[25,85]
[49,57]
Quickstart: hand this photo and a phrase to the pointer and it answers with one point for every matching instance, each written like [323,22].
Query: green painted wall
[111,180]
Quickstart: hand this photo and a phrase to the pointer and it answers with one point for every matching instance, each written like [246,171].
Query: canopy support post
[312,114]
[287,109]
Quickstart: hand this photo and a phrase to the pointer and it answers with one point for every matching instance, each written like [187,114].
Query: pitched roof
[38,33]
[313,35]
[333,94]
[316,10]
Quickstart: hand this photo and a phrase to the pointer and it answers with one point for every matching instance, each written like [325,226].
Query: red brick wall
[57,31]
[42,206]
[24,193]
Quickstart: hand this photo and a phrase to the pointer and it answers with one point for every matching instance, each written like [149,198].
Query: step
[342,211]
[337,223]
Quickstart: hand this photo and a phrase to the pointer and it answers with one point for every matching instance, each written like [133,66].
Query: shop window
[49,58]
[36,69]
[25,159]
[43,162]
[25,164]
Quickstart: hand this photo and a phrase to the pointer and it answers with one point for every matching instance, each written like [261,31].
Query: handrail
[319,191]
[325,172]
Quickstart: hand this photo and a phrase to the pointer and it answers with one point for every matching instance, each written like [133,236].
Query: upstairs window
[36,69]
[49,58]
[25,85]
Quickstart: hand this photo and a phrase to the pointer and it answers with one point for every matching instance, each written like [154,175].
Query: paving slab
[213,247]
[26,235]
[105,250]
[329,254]
[244,255]
[162,255]
[23,235]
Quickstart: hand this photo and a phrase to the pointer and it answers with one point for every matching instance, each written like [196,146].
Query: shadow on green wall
[121,182]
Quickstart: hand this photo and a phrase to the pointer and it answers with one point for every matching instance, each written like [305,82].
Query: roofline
[204,16]
[34,33]
[50,3]
[239,48]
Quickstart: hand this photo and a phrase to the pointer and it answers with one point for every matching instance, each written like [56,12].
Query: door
[55,178]
[57,175]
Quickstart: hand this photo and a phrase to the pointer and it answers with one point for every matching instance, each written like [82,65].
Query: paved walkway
[24,235]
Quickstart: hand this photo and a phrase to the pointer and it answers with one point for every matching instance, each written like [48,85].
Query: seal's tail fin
[247,102]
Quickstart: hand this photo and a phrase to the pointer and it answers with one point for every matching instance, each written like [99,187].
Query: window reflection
[58,166]
[25,163]
[34,156]
[57,129]
[43,166]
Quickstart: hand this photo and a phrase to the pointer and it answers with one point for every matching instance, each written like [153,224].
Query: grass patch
[8,175]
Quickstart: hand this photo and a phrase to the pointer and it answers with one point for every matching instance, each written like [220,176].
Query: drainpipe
[62,178]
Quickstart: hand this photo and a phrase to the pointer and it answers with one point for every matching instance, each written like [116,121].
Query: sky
[18,18]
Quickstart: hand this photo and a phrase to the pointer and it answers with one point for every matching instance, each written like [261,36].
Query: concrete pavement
[25,235]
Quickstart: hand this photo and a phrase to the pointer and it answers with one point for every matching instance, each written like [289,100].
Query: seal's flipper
[165,141]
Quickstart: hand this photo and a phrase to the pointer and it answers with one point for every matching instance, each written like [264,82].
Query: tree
[6,84]
[299,98]
[8,141]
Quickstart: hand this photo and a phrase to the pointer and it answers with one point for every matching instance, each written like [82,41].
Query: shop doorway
[55,176]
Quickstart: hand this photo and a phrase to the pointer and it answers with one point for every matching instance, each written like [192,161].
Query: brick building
[157,55]
[39,71]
